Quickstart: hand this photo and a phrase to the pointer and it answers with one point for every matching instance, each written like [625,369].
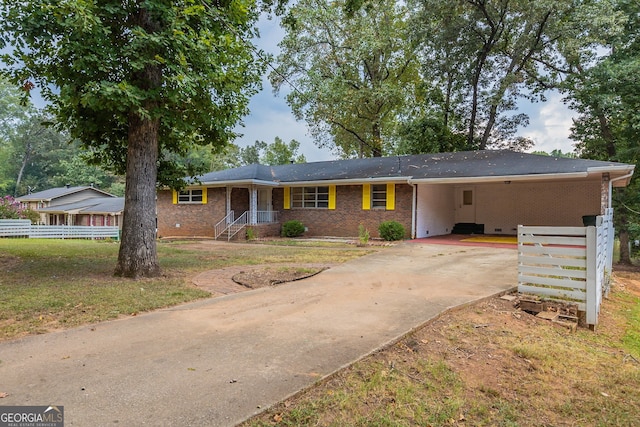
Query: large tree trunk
[625,255]
[138,253]
[23,164]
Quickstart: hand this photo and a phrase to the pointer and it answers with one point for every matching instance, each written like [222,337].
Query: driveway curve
[222,360]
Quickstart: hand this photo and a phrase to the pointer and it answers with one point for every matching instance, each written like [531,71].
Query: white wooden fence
[570,264]
[24,228]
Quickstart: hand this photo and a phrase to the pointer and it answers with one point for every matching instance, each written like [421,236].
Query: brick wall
[199,220]
[343,221]
[188,220]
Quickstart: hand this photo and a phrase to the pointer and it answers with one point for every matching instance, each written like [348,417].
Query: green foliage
[280,153]
[292,228]
[391,230]
[555,153]
[480,57]
[33,155]
[251,234]
[428,135]
[10,209]
[204,71]
[605,92]
[276,153]
[251,154]
[356,72]
[136,83]
[363,235]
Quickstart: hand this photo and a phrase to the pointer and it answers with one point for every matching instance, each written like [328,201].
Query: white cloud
[270,117]
[550,124]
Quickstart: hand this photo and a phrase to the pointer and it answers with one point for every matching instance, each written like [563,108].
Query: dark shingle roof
[54,193]
[466,164]
[94,205]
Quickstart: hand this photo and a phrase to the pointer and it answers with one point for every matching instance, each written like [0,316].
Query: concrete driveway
[219,361]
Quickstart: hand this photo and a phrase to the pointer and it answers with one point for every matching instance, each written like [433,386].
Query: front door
[264,199]
[466,205]
[265,210]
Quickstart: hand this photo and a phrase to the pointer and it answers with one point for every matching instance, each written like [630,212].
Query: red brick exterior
[343,221]
[193,219]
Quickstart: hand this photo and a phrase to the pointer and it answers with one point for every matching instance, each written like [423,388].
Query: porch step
[468,228]
[231,232]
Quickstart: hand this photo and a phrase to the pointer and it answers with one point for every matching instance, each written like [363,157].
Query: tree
[227,158]
[354,74]
[281,153]
[479,55]
[133,81]
[252,153]
[73,170]
[606,93]
[276,153]
[33,139]
[10,209]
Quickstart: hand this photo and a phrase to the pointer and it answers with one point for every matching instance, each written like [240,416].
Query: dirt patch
[269,276]
[230,280]
[9,262]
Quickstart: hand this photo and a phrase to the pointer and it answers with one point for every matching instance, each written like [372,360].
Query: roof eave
[497,178]
[620,175]
[354,181]
[235,182]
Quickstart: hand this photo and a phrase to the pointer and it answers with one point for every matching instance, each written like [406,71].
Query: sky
[549,121]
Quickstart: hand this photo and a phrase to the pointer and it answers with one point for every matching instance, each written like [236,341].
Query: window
[467,197]
[310,197]
[379,196]
[190,196]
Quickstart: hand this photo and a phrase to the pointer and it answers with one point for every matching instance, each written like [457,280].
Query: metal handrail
[237,225]
[223,224]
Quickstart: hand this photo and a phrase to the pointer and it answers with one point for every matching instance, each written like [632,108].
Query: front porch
[247,206]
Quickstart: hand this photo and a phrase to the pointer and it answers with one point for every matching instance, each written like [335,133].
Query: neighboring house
[432,194]
[75,206]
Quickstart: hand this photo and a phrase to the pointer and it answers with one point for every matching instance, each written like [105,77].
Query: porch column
[253,205]
[228,197]
[605,193]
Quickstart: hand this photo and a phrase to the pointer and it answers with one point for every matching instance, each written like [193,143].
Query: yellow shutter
[366,197]
[391,197]
[287,198]
[204,195]
[332,197]
[175,197]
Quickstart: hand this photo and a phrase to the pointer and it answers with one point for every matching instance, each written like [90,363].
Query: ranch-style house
[489,192]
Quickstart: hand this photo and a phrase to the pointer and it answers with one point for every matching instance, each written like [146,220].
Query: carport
[498,204]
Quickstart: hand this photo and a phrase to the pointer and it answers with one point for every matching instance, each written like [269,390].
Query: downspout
[414,203]
[611,181]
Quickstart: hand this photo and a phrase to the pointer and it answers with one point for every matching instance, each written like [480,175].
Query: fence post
[592,278]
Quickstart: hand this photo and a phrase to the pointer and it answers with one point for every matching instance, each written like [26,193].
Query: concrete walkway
[219,361]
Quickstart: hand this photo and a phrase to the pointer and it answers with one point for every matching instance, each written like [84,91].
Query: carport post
[592,278]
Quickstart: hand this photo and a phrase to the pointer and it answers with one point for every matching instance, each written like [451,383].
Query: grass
[52,284]
[516,370]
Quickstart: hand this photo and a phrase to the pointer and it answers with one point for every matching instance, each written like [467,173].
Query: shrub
[251,234]
[363,235]
[391,230]
[292,228]
[10,209]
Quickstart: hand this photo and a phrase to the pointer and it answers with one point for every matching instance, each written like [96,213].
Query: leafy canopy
[87,58]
